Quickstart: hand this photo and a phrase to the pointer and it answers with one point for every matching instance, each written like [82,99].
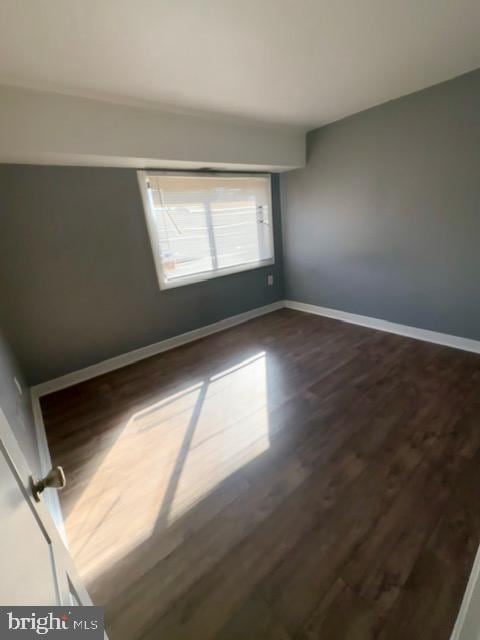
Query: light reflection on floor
[168,457]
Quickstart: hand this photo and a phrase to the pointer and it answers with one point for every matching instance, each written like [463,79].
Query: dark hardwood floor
[292,477]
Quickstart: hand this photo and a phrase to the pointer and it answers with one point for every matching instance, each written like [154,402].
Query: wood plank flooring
[294,477]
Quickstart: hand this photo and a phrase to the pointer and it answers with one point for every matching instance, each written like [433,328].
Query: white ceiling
[298,62]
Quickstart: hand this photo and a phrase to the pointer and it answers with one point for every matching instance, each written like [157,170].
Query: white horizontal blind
[207,225]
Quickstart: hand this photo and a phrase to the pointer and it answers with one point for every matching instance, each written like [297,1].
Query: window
[207,225]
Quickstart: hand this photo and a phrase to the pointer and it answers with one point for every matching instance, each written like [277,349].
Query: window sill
[212,275]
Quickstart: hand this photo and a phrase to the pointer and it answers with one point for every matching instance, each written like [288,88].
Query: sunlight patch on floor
[169,456]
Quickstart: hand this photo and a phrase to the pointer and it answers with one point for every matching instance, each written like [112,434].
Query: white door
[467,626]
[36,568]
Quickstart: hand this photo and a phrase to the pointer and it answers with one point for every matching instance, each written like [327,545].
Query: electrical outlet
[18,385]
[270,279]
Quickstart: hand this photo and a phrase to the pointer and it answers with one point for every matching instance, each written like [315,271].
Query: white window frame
[155,243]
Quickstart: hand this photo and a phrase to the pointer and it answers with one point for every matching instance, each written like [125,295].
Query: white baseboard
[466,344]
[130,357]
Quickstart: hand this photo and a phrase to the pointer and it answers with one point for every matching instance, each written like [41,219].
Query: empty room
[240,319]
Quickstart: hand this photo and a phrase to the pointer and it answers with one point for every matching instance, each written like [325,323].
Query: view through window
[203,226]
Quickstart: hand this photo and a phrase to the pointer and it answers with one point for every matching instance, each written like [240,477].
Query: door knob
[55,479]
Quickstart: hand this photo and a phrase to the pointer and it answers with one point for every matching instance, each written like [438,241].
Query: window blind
[207,225]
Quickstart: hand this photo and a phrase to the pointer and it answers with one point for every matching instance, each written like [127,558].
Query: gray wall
[16,407]
[385,219]
[77,275]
